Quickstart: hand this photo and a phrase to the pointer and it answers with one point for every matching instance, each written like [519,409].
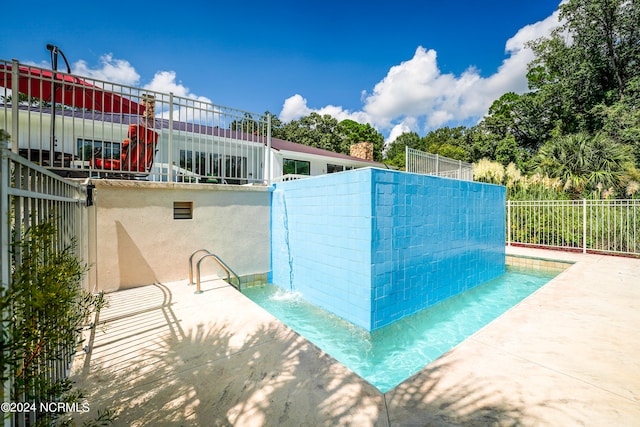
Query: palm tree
[584,162]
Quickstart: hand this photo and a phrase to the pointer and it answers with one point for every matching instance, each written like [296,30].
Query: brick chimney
[362,150]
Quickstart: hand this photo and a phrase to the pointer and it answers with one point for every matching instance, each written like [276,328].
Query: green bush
[44,310]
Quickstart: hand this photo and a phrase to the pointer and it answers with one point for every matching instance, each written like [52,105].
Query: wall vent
[182,210]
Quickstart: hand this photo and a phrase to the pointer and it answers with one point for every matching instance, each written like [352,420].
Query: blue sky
[404,65]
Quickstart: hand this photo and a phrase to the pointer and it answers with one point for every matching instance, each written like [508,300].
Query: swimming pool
[388,356]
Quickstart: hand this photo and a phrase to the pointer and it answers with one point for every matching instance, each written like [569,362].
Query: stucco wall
[137,241]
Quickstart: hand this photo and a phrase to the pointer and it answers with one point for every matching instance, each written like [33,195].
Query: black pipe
[55,50]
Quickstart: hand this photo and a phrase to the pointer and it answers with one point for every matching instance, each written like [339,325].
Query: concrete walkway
[567,355]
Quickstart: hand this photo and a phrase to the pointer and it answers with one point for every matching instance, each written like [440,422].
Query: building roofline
[284,145]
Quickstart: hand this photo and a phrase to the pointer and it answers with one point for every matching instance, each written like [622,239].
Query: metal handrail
[191,264]
[221,263]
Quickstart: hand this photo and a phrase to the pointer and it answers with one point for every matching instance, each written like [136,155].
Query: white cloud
[294,107]
[340,114]
[110,69]
[399,129]
[165,82]
[122,72]
[415,95]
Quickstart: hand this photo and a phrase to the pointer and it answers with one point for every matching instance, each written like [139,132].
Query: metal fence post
[4,253]
[170,142]
[15,105]
[508,222]
[268,157]
[584,226]
[4,214]
[406,159]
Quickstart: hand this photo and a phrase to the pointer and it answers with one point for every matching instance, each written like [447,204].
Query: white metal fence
[609,226]
[89,127]
[30,195]
[417,161]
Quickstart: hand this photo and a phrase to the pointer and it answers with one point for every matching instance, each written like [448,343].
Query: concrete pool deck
[566,355]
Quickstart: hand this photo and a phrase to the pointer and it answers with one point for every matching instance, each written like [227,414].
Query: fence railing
[290,177]
[89,127]
[609,226]
[30,195]
[417,161]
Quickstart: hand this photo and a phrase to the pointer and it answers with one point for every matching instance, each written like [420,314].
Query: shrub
[44,310]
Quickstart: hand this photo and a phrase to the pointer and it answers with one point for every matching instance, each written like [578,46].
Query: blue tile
[384,240]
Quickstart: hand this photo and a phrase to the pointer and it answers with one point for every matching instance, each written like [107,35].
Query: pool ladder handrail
[219,261]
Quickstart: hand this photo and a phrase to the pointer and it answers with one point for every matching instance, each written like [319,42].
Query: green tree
[314,130]
[585,163]
[250,123]
[621,121]
[501,118]
[520,117]
[324,131]
[276,123]
[587,61]
[584,81]
[503,148]
[481,143]
[448,142]
[608,33]
[353,132]
[395,153]
[507,151]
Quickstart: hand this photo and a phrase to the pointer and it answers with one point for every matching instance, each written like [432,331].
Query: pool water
[388,356]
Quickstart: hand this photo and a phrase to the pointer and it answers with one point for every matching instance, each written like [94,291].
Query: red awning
[69,90]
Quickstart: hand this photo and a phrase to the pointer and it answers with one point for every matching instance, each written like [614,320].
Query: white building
[291,160]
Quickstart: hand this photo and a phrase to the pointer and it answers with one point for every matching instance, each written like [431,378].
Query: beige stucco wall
[134,239]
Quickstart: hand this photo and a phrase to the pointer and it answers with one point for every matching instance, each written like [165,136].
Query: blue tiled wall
[431,238]
[321,242]
[374,245]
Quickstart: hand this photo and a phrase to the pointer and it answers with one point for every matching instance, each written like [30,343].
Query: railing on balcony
[417,161]
[290,177]
[94,128]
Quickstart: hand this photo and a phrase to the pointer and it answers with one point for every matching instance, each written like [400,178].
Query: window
[214,165]
[297,167]
[200,163]
[334,168]
[235,167]
[89,149]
